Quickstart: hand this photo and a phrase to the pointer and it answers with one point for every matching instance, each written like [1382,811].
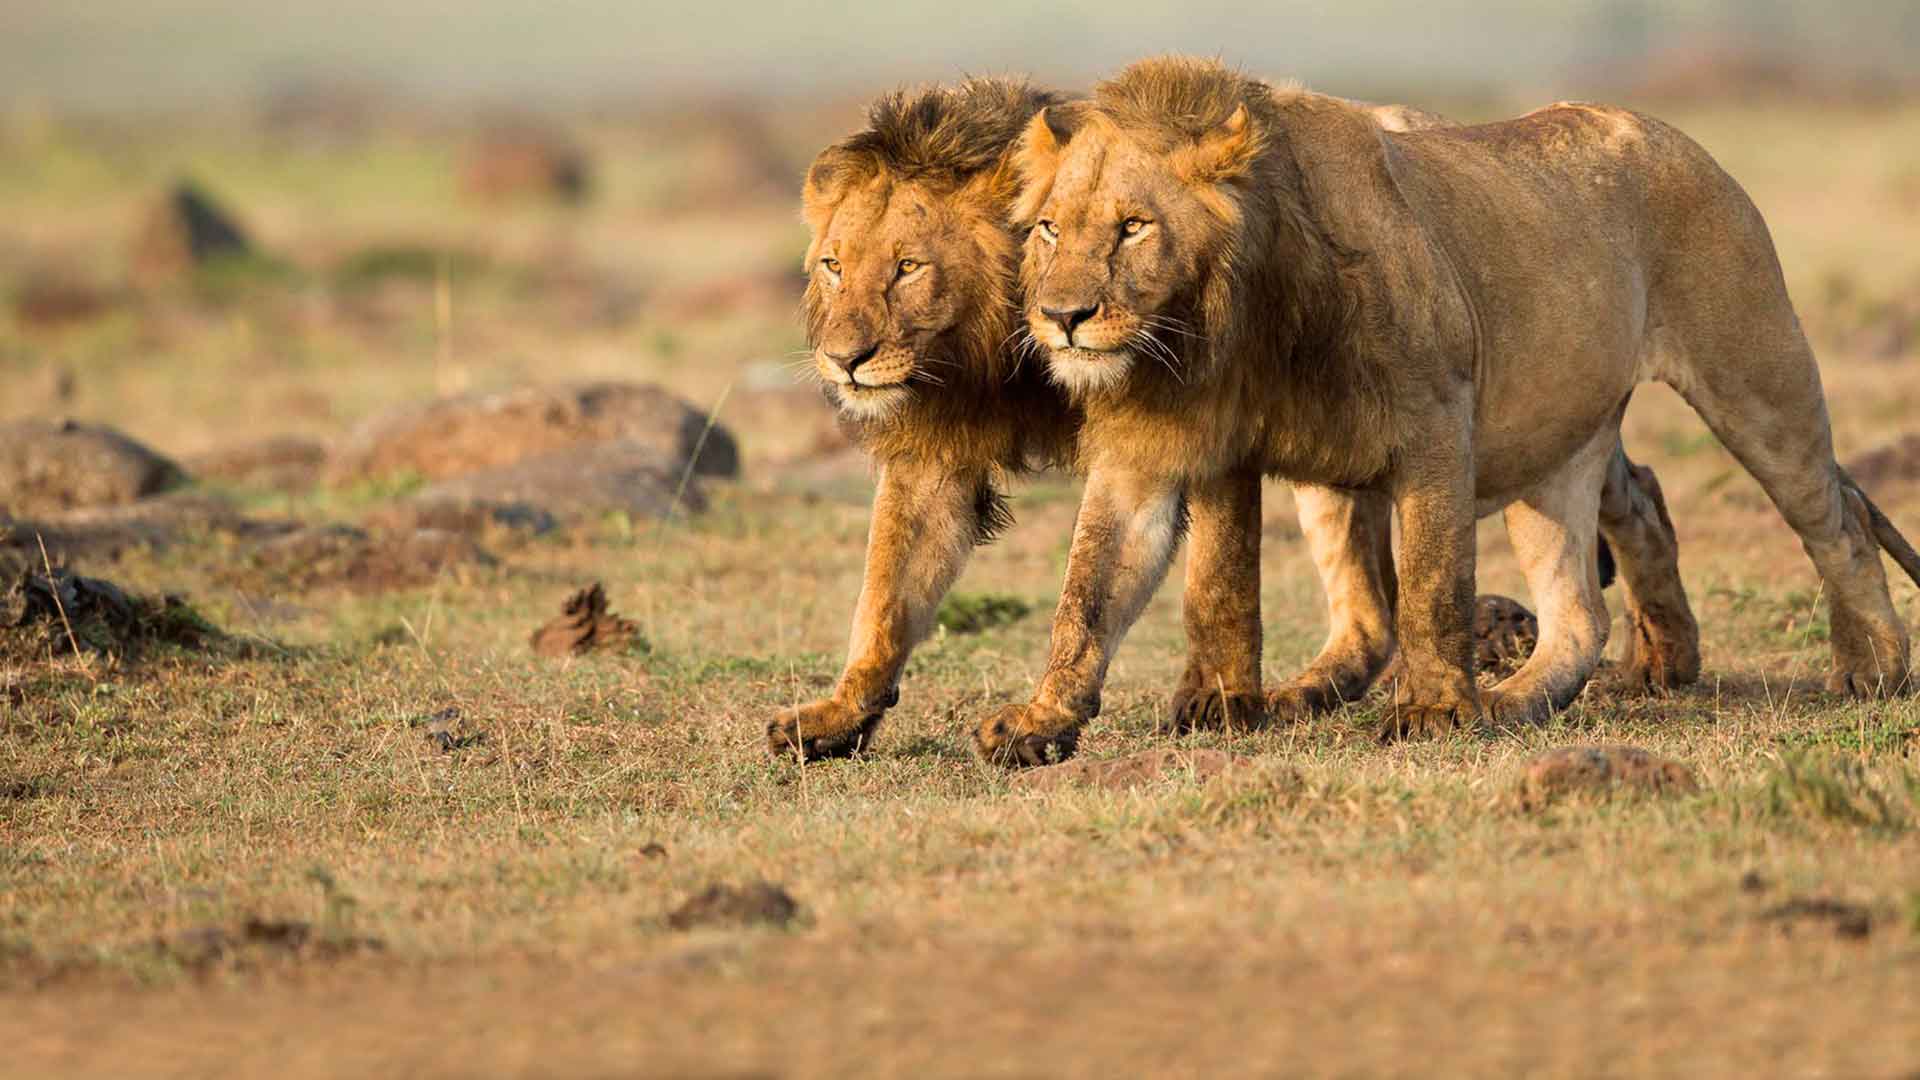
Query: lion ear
[1225,153]
[1035,158]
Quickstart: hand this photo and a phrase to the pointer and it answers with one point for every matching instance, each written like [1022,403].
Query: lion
[1231,278]
[912,310]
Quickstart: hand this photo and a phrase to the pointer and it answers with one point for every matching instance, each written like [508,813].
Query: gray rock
[53,466]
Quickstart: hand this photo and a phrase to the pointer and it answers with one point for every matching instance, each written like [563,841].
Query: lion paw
[1660,657]
[1434,712]
[1023,736]
[820,730]
[1194,709]
[1509,709]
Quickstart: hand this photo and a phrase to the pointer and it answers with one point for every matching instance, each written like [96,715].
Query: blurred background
[239,233]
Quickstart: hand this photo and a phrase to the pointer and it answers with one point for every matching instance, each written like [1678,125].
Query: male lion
[912,309]
[1232,279]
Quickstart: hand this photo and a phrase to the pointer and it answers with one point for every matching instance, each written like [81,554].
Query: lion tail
[1885,534]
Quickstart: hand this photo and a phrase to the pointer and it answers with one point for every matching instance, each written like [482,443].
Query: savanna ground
[501,907]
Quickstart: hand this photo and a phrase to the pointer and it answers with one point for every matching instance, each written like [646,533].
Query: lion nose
[849,361]
[1068,318]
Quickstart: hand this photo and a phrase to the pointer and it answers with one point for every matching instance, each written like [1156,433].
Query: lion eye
[1048,230]
[908,266]
[1132,226]
[832,265]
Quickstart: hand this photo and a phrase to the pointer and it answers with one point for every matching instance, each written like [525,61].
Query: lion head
[1149,212]
[911,262]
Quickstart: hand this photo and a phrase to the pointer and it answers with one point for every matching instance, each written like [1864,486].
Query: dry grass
[1345,909]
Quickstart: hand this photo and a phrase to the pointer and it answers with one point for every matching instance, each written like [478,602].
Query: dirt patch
[1599,771]
[1134,770]
[340,555]
[54,303]
[287,463]
[63,613]
[1895,465]
[53,466]
[761,903]
[584,625]
[472,433]
[1504,634]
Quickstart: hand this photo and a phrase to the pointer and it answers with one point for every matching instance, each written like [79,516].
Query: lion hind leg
[1663,640]
[1770,413]
[1349,535]
[1553,533]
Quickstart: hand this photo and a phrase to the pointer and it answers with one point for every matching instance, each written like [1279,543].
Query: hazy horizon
[132,54]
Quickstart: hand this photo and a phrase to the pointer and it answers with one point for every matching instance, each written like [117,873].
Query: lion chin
[1081,371]
[862,402]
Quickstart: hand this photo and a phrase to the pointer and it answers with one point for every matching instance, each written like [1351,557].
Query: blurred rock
[48,466]
[636,479]
[1504,634]
[281,463]
[713,298]
[786,423]
[341,555]
[1896,464]
[51,303]
[184,230]
[157,522]
[523,163]
[468,433]
[761,903]
[1599,770]
[1119,774]
[477,518]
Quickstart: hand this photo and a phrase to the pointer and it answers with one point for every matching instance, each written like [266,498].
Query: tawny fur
[1228,276]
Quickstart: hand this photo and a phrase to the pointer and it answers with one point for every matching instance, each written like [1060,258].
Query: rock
[583,482]
[476,518]
[342,555]
[1119,774]
[1896,464]
[761,903]
[1504,634]
[1599,770]
[585,625]
[468,433]
[184,230]
[60,466]
[159,521]
[1850,921]
[56,303]
[519,163]
[287,463]
[785,425]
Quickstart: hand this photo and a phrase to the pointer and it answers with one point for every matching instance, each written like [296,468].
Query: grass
[1339,908]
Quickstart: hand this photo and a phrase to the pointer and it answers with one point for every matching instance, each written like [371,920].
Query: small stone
[1598,770]
[759,904]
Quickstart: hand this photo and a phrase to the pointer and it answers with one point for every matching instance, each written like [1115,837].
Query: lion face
[1124,230]
[902,296]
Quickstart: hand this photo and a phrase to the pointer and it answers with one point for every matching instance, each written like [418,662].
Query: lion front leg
[1123,539]
[1435,692]
[925,522]
[1221,686]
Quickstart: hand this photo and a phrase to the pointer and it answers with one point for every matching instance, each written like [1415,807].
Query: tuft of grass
[1843,791]
[974,613]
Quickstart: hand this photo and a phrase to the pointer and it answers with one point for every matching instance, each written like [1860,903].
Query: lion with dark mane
[1232,279]
[912,305]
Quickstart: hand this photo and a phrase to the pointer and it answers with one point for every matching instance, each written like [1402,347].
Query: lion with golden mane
[1231,279]
[912,309]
